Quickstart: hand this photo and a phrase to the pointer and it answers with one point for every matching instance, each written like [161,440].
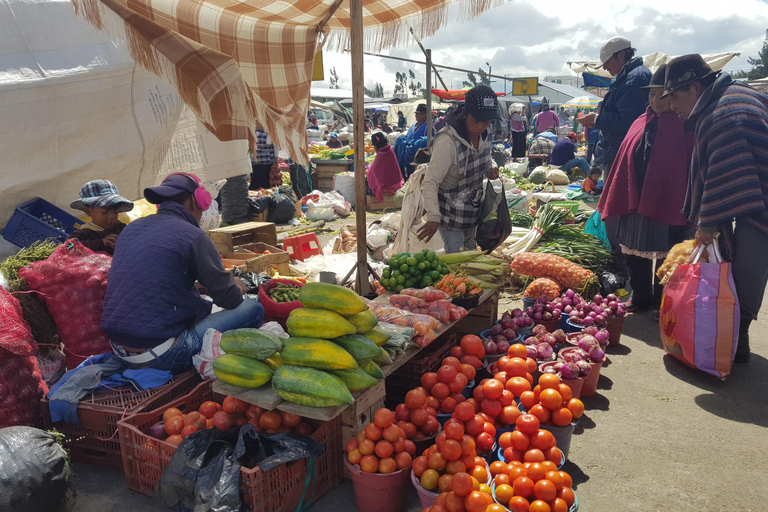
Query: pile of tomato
[381,447]
[177,425]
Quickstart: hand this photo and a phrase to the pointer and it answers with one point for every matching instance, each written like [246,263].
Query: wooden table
[265,397]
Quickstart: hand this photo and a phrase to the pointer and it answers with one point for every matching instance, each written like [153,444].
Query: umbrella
[583,102]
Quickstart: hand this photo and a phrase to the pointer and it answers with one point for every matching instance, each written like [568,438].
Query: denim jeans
[249,314]
[579,162]
[455,239]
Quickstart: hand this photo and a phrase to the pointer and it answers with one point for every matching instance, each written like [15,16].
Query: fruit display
[254,343]
[176,425]
[545,309]
[408,270]
[534,486]
[316,353]
[443,388]
[424,325]
[241,371]
[382,446]
[443,310]
[541,345]
[596,312]
[551,403]
[314,322]
[457,287]
[309,386]
[284,292]
[415,416]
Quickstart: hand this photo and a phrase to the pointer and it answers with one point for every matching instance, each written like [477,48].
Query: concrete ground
[658,436]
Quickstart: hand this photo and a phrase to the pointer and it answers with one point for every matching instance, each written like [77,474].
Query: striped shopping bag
[699,318]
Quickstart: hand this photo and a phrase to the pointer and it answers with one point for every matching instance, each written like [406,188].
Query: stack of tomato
[443,388]
[551,402]
[463,493]
[470,351]
[475,424]
[529,443]
[532,487]
[381,447]
[177,425]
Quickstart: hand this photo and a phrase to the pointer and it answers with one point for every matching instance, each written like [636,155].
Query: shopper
[645,193]
[402,122]
[153,314]
[564,156]
[546,119]
[263,160]
[461,158]
[384,173]
[518,129]
[729,174]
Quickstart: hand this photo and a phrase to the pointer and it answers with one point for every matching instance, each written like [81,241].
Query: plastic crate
[39,220]
[94,440]
[409,375]
[277,490]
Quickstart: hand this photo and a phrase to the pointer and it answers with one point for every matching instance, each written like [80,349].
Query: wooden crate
[480,318]
[355,417]
[235,259]
[388,203]
[226,239]
[325,170]
[262,262]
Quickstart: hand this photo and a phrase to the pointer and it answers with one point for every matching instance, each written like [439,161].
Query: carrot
[445,280]
[476,290]
[461,289]
[456,282]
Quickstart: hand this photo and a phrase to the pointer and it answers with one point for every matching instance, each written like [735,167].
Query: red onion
[602,336]
[543,299]
[588,321]
[568,309]
[590,330]
[537,316]
[532,352]
[586,342]
[529,311]
[621,312]
[549,340]
[559,335]
[158,430]
[532,341]
[569,293]
[611,297]
[613,305]
[539,329]
[584,368]
[556,314]
[520,321]
[502,347]
[496,330]
[600,320]
[570,371]
[566,301]
[498,339]
[597,299]
[596,354]
[509,334]
[546,316]
[528,321]
[490,347]
[558,366]
[508,324]
[581,353]
[549,308]
[570,356]
[598,310]
[506,316]
[544,350]
[517,312]
[549,369]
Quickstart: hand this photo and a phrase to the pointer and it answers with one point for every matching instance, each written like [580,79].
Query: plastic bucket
[576,385]
[486,334]
[467,391]
[426,498]
[550,325]
[574,327]
[425,442]
[562,435]
[376,492]
[490,455]
[590,381]
[615,325]
[528,302]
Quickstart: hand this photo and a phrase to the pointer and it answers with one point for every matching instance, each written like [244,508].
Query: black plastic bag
[491,233]
[259,204]
[234,200]
[204,472]
[252,281]
[301,179]
[499,156]
[282,206]
[609,282]
[34,470]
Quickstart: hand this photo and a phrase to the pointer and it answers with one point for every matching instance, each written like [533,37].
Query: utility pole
[505,84]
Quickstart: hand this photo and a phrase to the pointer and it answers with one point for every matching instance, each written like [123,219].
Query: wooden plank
[264,396]
[387,203]
[229,237]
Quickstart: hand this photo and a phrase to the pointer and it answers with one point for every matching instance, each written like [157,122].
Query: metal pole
[428,66]
[429,97]
[358,114]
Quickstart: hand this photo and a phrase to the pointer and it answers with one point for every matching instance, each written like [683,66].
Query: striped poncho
[729,170]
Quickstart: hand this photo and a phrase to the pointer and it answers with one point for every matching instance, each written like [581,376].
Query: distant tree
[401,83]
[473,80]
[376,92]
[334,79]
[414,86]
[759,64]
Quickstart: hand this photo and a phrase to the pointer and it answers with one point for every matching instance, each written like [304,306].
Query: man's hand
[705,236]
[110,240]
[241,284]
[588,121]
[427,231]
[493,173]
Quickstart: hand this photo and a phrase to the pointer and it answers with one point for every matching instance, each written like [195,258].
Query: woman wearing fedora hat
[729,174]
[645,192]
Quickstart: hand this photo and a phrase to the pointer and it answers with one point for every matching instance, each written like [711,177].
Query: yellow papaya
[309,386]
[378,336]
[318,323]
[332,297]
[363,321]
[241,371]
[316,353]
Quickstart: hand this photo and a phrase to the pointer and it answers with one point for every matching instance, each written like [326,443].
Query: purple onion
[566,301]
[537,316]
[506,316]
[596,354]
[558,366]
[570,356]
[600,319]
[556,314]
[498,339]
[613,305]
[602,336]
[559,335]
[570,371]
[567,309]
[586,342]
[496,330]
[544,351]
[549,369]
[543,299]
[590,330]
[529,311]
[532,352]
[508,334]
[539,329]
[508,324]
[546,316]
[597,299]
[621,312]
[517,312]
[569,293]
[549,340]
[502,347]
[588,321]
[611,297]
[549,308]
[584,368]
[520,321]
[581,353]
[598,310]
[528,322]
[538,308]
[490,347]
[531,341]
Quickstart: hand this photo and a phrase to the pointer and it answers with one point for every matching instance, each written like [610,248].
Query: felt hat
[482,103]
[657,80]
[172,185]
[421,108]
[611,46]
[684,70]
[101,194]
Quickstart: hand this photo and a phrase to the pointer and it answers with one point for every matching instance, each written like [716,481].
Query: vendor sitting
[101,202]
[384,173]
[564,156]
[153,314]
[333,141]
[589,185]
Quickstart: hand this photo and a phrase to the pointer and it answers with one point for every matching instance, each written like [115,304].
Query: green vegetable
[10,267]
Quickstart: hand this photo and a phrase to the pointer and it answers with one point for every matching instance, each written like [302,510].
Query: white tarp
[409,110]
[74,107]
[716,61]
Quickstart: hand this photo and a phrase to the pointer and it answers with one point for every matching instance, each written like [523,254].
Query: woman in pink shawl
[645,192]
[384,173]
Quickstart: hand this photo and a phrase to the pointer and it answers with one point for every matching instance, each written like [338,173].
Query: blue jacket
[563,152]
[151,293]
[623,104]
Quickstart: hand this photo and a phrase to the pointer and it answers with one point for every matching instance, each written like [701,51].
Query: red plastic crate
[277,490]
[94,440]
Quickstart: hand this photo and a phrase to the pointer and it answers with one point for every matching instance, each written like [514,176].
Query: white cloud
[525,39]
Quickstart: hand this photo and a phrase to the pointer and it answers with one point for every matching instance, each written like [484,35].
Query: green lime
[395,273]
[434,264]
[403,268]
[399,288]
[419,256]
[400,279]
[435,275]
[386,273]
[410,283]
[384,282]
[426,281]
[426,251]
[422,265]
[413,270]
[411,261]
[431,257]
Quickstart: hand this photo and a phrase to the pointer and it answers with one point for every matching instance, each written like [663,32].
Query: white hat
[613,45]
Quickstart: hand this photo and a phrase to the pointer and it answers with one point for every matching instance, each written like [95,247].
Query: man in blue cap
[153,313]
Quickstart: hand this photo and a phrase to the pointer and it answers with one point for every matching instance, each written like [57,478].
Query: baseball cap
[171,186]
[613,45]
[101,194]
[482,103]
[572,135]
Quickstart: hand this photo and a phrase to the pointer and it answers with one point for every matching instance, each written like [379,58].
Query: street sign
[525,86]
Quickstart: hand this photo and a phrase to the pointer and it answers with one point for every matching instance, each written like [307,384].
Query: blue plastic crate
[39,220]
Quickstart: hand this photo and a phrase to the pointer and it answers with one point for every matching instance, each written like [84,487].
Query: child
[101,202]
[589,185]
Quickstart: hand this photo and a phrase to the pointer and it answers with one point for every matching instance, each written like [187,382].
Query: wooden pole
[358,115]
[429,98]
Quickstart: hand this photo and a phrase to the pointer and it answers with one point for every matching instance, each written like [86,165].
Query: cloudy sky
[537,38]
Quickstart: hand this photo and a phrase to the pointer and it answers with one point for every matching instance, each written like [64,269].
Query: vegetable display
[549,217]
[567,274]
[408,270]
[482,271]
[284,293]
[382,446]
[543,287]
[597,312]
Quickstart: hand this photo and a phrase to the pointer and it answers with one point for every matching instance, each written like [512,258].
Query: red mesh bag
[277,311]
[21,385]
[73,282]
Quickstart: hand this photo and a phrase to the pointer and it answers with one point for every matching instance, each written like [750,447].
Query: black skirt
[641,234]
[518,144]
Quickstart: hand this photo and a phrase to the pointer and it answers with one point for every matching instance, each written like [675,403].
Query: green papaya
[355,379]
[358,345]
[316,353]
[363,321]
[309,386]
[372,369]
[253,343]
[318,323]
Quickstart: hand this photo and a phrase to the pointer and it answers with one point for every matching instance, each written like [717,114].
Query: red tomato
[304,429]
[464,411]
[448,405]
[509,415]
[462,484]
[419,417]
[354,456]
[187,430]
[415,399]
[527,423]
[432,402]
[468,370]
[170,413]
[270,420]
[507,398]
[428,380]
[431,427]
[373,432]
[473,345]
[523,486]
[232,405]
[420,464]
[484,442]
[175,440]
[174,425]
[451,361]
[475,362]
[518,504]
[447,373]
[539,506]
[392,433]
[492,389]
[454,430]
[491,407]
[402,413]
[458,383]
[403,460]
[474,426]
[455,466]
[222,421]
[369,464]
[468,445]
[475,502]
[290,420]
[437,461]
[254,411]
[543,440]
[384,449]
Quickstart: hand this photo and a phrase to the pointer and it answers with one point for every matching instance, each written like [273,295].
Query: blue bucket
[574,327]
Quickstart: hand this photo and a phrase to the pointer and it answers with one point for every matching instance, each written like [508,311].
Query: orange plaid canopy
[238,62]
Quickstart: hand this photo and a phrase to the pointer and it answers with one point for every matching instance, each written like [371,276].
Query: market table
[266,397]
